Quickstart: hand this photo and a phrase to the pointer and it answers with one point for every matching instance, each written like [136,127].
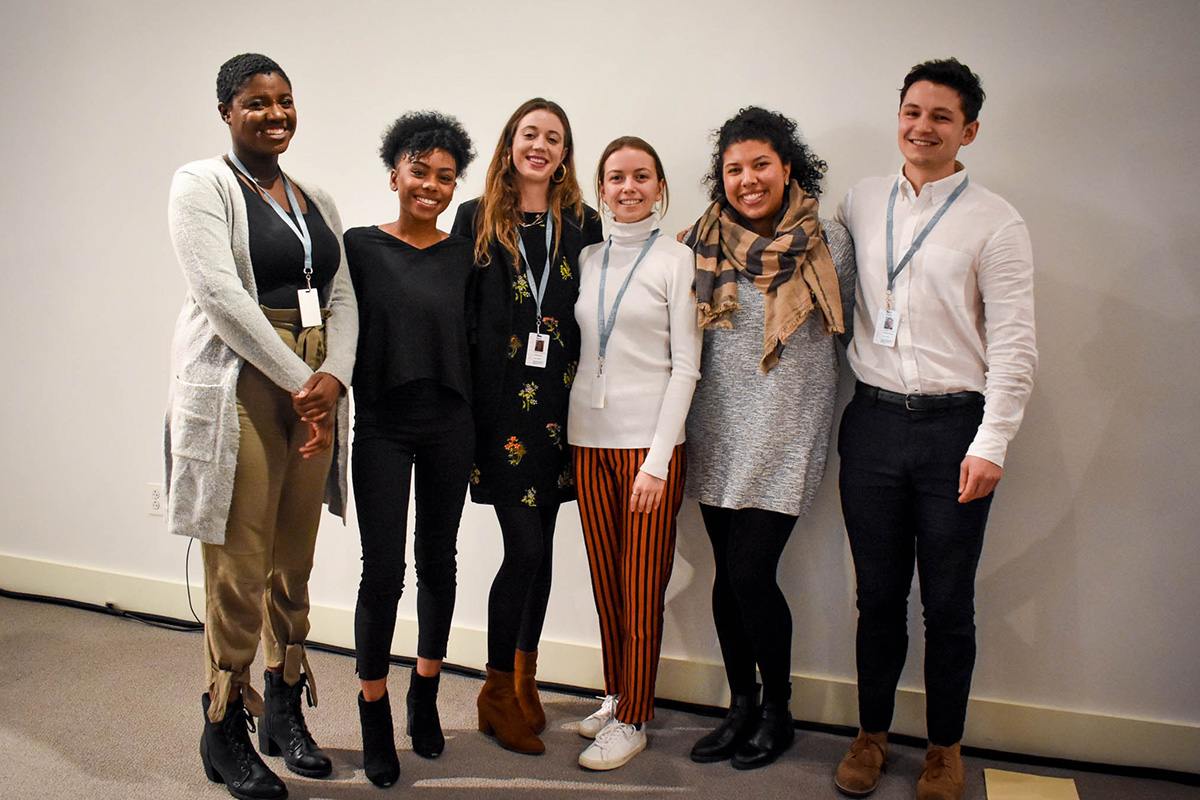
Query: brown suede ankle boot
[527,691]
[860,770]
[943,775]
[500,715]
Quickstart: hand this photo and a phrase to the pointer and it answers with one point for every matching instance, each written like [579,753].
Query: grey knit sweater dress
[760,441]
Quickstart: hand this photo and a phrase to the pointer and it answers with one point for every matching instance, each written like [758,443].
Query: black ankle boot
[424,725]
[229,757]
[740,721]
[282,728]
[773,736]
[379,742]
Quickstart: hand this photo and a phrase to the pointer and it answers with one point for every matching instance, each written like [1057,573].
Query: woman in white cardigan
[638,365]
[256,429]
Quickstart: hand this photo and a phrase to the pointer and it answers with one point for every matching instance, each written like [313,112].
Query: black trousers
[420,428]
[899,487]
[521,590]
[750,612]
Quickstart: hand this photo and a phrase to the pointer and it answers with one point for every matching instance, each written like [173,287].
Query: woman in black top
[528,229]
[412,393]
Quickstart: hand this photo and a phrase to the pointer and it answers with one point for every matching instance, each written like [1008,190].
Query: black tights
[521,589]
[751,614]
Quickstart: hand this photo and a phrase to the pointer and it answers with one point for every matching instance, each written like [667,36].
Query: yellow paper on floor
[1004,785]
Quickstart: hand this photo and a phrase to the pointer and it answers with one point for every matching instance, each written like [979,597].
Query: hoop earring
[554,179]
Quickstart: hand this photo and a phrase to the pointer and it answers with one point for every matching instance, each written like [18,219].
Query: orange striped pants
[630,556]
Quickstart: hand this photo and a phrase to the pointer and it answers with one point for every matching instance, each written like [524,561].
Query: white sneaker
[595,723]
[615,745]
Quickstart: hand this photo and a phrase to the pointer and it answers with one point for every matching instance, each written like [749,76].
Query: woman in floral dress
[528,227]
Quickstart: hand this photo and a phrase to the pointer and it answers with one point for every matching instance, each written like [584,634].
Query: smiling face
[261,117]
[756,181]
[932,129]
[538,146]
[425,184]
[630,184]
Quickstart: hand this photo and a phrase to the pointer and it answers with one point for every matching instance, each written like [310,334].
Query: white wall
[1087,590]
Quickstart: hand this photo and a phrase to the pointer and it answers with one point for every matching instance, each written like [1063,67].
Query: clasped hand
[315,404]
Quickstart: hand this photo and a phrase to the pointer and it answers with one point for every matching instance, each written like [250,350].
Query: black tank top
[277,255]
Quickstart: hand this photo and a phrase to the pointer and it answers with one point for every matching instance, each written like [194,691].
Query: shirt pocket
[948,275]
[195,415]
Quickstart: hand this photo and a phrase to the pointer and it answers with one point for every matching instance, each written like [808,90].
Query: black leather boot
[740,721]
[229,757]
[771,739]
[379,742]
[424,725]
[282,729]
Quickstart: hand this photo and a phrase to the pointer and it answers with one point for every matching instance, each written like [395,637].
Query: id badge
[886,323]
[598,391]
[538,350]
[310,308]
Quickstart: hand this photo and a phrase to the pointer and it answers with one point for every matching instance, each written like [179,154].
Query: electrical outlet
[156,500]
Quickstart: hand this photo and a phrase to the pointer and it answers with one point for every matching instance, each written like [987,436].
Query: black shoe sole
[711,759]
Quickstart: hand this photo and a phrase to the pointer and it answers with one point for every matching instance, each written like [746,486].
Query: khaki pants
[256,583]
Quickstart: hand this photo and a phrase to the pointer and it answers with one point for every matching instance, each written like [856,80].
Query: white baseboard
[996,724]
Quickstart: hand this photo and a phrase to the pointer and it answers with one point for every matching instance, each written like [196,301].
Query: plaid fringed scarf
[794,271]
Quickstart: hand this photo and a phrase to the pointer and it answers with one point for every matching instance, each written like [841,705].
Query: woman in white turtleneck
[638,365]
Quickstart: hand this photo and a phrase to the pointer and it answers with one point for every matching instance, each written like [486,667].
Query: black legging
[751,614]
[426,430]
[521,589]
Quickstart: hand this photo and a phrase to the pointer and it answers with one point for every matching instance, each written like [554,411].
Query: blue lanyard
[538,291]
[892,270]
[301,231]
[607,329]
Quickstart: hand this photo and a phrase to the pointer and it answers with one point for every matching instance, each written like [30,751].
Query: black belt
[918,402]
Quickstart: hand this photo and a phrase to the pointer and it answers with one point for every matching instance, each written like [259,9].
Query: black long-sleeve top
[414,312]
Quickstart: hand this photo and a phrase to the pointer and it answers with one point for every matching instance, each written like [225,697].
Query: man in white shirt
[944,353]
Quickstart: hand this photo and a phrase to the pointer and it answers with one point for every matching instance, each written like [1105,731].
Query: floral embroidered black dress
[521,451]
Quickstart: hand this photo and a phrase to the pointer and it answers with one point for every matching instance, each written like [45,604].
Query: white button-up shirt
[964,302]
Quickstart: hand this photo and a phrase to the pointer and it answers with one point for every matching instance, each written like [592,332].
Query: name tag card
[538,350]
[310,308]
[886,323]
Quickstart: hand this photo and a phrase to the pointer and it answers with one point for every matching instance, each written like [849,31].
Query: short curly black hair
[760,125]
[953,74]
[419,132]
[237,71]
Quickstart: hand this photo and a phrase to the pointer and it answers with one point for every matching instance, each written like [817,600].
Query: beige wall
[1087,590]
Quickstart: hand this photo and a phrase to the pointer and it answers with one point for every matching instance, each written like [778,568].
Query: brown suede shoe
[500,715]
[858,774]
[943,775]
[527,690]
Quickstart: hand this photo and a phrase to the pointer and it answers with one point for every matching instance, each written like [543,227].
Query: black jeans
[899,487]
[420,428]
[751,614]
[521,589]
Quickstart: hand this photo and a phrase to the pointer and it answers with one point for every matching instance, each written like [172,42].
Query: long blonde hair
[498,215]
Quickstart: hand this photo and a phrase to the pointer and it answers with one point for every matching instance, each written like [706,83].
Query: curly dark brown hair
[760,125]
[419,132]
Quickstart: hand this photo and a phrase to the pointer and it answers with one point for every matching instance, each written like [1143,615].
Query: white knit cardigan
[220,327]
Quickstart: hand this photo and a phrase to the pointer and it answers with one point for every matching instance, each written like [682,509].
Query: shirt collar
[937,191]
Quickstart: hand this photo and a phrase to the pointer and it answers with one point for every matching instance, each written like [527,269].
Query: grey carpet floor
[97,707]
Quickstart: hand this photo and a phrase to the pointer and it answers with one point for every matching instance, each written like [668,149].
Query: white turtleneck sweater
[652,361]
